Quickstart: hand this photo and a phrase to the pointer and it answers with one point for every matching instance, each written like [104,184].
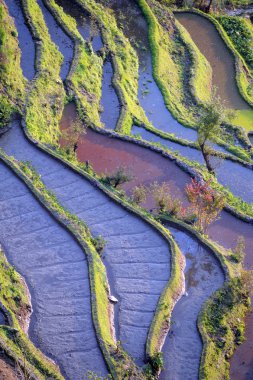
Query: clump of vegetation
[46,98]
[12,83]
[118,178]
[239,250]
[205,203]
[139,194]
[240,32]
[165,202]
[71,134]
[205,206]
[99,243]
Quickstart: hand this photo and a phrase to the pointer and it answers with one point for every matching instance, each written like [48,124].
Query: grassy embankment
[13,340]
[221,320]
[45,100]
[125,64]
[170,48]
[84,79]
[188,81]
[12,83]
[243,118]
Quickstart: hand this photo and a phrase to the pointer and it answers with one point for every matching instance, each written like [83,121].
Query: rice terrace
[126,189]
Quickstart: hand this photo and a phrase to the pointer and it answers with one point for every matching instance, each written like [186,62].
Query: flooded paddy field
[137,258]
[55,269]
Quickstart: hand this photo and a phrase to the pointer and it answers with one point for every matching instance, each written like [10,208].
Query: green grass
[201,71]
[244,118]
[12,83]
[167,70]
[167,300]
[125,64]
[46,98]
[240,31]
[85,78]
[222,321]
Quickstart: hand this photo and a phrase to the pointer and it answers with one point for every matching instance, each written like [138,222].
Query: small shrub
[157,362]
[239,250]
[99,243]
[139,194]
[119,177]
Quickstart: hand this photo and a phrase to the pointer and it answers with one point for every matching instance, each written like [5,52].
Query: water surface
[135,27]
[237,178]
[60,38]
[24,38]
[109,100]
[203,276]
[55,269]
[212,46]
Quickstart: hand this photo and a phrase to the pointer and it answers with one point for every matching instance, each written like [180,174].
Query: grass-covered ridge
[13,340]
[46,97]
[171,48]
[85,75]
[200,80]
[125,64]
[12,83]
[243,76]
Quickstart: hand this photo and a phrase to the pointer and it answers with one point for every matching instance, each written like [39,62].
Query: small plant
[71,134]
[157,362]
[119,177]
[239,250]
[139,194]
[90,375]
[164,201]
[99,243]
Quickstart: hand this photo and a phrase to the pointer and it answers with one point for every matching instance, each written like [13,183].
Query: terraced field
[100,118]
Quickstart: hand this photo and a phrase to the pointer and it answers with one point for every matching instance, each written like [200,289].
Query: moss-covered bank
[46,95]
[12,82]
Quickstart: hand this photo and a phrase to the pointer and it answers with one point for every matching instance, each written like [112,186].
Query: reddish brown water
[213,48]
[106,154]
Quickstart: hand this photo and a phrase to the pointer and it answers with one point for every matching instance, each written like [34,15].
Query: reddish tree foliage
[206,203]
